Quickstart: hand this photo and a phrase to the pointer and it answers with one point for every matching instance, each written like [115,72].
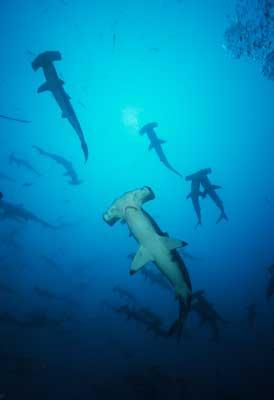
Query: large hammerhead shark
[54,85]
[153,247]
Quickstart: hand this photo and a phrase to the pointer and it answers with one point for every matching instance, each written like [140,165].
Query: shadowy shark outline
[55,85]
[19,162]
[70,171]
[156,144]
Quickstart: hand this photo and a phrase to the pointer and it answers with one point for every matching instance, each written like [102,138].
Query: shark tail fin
[85,150]
[46,58]
[177,327]
[223,216]
[199,223]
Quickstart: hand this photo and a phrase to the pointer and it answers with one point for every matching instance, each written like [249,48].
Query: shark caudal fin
[223,216]
[45,59]
[177,327]
[85,150]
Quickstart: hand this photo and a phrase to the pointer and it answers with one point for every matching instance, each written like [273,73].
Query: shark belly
[156,249]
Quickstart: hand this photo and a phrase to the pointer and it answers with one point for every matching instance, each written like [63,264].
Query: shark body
[161,250]
[20,214]
[55,85]
[210,190]
[156,144]
[196,193]
[66,164]
[22,163]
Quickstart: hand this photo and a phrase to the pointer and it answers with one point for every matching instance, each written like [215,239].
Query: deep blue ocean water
[125,64]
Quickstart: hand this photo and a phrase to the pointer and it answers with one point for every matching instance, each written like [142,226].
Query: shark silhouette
[156,144]
[62,161]
[22,163]
[55,85]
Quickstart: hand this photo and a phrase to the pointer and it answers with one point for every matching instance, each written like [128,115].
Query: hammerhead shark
[207,314]
[20,214]
[153,247]
[22,163]
[143,316]
[156,144]
[70,171]
[124,293]
[196,193]
[54,85]
[210,190]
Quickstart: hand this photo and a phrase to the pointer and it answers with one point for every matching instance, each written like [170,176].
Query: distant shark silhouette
[22,121]
[210,190]
[62,161]
[22,163]
[196,193]
[19,213]
[54,85]
[156,144]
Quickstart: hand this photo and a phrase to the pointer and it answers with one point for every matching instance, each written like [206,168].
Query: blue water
[126,64]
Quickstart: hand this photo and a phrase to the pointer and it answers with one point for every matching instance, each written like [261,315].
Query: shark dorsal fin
[173,244]
[44,88]
[142,257]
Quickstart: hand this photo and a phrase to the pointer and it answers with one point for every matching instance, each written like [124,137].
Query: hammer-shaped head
[46,58]
[148,128]
[135,198]
[200,174]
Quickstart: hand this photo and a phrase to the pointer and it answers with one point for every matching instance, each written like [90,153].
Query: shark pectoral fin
[215,187]
[172,244]
[150,147]
[189,195]
[44,88]
[142,257]
[162,141]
